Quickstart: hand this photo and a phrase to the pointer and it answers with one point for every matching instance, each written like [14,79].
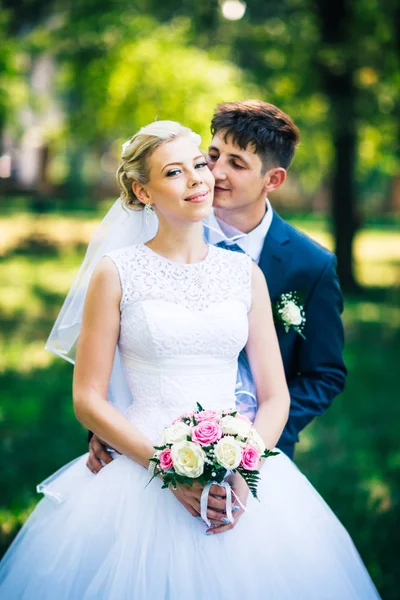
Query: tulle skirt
[109,537]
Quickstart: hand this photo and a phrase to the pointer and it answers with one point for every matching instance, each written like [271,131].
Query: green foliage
[154,73]
[13,85]
[252,478]
[120,66]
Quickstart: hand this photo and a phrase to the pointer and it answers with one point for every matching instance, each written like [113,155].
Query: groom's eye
[236,165]
[213,157]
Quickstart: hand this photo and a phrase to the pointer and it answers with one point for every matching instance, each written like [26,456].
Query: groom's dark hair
[268,129]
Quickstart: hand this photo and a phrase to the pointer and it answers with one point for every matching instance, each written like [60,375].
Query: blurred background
[77,79]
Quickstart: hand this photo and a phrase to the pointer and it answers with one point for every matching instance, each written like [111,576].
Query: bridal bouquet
[207,445]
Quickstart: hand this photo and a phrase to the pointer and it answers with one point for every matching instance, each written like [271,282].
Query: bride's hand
[241,490]
[189,497]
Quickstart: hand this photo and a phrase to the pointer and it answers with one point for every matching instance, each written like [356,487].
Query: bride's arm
[94,361]
[269,377]
[266,364]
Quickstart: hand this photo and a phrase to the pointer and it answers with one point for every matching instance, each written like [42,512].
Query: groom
[252,147]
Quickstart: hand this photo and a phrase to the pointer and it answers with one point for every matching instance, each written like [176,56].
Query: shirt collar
[220,230]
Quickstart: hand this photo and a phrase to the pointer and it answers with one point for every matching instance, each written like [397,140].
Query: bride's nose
[195,178]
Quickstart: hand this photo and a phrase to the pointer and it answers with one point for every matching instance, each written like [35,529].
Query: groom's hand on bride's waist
[98,455]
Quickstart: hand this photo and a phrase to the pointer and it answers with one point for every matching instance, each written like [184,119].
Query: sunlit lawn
[351,454]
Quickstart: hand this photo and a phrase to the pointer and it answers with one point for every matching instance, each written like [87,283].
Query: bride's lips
[198,197]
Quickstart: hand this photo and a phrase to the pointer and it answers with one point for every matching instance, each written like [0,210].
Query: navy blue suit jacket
[314,367]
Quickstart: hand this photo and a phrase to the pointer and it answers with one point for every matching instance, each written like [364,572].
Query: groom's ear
[140,192]
[274,178]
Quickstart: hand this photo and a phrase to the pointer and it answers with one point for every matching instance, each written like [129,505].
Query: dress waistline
[187,365]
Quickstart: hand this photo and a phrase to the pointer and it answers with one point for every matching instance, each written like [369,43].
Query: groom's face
[239,177]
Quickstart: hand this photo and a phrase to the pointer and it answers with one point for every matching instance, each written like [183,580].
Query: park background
[78,79]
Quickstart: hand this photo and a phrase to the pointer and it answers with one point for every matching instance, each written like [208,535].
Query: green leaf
[252,479]
[199,407]
[268,453]
[301,334]
[151,479]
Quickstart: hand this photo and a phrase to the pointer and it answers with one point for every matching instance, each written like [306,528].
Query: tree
[334,67]
[337,73]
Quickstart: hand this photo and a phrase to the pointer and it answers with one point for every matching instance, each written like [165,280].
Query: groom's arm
[320,370]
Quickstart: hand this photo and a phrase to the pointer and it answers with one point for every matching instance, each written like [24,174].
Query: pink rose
[206,415]
[206,432]
[250,458]
[166,460]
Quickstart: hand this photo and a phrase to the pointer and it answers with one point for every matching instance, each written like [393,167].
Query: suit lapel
[275,256]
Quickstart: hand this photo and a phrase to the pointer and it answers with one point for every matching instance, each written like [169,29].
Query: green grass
[351,454]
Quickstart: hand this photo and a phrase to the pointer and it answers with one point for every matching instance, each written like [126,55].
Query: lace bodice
[182,328]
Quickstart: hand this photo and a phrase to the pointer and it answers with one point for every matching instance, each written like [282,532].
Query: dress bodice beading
[182,328]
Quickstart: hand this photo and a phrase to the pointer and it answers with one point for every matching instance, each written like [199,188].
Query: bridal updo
[137,150]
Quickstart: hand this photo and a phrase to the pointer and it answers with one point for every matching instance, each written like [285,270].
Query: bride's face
[180,186]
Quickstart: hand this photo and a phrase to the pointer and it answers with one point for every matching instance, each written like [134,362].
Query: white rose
[228,452]
[176,433]
[188,459]
[254,439]
[233,426]
[291,314]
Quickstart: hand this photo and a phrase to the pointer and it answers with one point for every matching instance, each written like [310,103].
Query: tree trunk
[344,201]
[337,83]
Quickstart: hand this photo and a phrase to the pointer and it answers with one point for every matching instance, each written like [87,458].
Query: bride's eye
[173,172]
[201,165]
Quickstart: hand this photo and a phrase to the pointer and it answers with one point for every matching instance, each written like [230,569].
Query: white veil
[120,227]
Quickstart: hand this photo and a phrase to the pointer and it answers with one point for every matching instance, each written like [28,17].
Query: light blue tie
[233,247]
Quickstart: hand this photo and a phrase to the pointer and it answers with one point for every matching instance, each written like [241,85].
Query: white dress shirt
[252,243]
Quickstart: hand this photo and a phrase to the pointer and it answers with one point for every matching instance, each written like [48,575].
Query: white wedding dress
[109,537]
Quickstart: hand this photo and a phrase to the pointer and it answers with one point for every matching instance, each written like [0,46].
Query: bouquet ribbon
[204,501]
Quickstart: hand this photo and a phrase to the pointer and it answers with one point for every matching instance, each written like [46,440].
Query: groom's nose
[218,170]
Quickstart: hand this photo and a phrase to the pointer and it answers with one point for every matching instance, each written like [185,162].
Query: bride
[174,313]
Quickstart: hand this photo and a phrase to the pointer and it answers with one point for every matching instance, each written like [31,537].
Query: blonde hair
[138,149]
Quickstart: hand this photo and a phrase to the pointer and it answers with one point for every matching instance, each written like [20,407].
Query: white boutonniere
[289,311]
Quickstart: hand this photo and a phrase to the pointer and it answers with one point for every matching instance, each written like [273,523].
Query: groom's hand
[98,455]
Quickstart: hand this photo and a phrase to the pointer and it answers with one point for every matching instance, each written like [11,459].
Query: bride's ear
[140,192]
